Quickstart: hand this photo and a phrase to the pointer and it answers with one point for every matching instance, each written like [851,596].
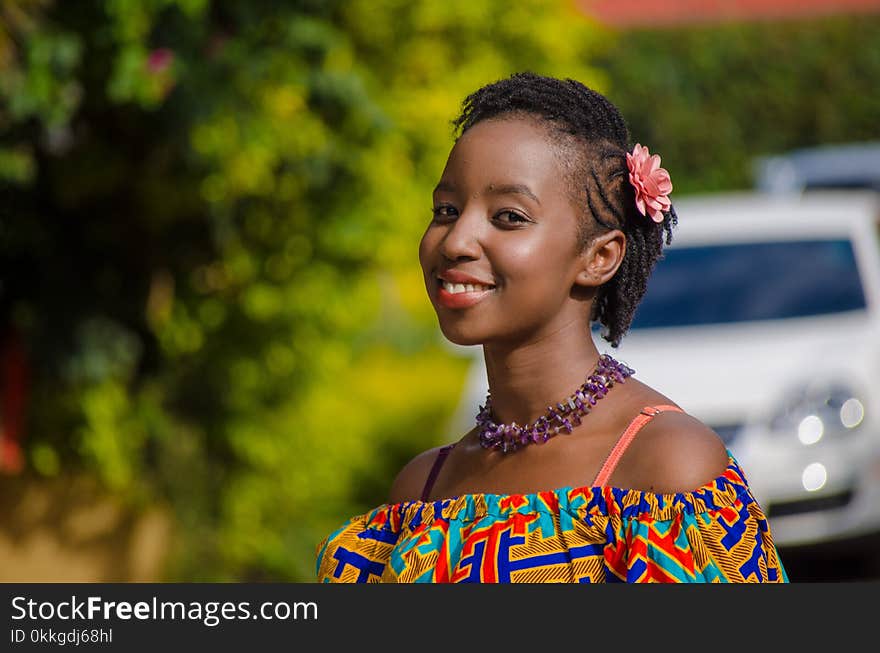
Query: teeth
[455,288]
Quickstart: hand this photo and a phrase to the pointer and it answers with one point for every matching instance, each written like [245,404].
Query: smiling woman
[546,220]
[503,213]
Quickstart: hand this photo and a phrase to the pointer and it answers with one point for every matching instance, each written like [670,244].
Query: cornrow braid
[589,126]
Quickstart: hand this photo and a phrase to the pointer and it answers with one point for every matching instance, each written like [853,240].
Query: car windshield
[720,284]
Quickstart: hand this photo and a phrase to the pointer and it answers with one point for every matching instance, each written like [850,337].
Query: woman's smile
[461,295]
[457,289]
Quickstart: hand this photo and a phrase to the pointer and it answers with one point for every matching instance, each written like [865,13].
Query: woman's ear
[601,258]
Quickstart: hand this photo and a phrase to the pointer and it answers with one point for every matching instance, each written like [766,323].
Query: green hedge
[711,98]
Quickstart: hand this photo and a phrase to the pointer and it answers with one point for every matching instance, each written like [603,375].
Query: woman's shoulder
[410,480]
[673,452]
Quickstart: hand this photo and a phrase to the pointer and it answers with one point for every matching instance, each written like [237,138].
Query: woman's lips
[460,299]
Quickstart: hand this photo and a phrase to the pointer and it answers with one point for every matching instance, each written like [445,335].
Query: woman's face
[504,222]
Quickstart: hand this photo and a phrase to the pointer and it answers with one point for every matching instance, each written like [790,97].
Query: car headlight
[812,413]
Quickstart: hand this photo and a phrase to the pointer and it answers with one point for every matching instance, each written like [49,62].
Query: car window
[727,283]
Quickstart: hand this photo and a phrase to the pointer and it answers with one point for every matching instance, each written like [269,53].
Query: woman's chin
[462,338]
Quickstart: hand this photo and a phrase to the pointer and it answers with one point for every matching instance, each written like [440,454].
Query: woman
[546,220]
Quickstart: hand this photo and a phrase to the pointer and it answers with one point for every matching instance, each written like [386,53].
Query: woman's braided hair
[595,138]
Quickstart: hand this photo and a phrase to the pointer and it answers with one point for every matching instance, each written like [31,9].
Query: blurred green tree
[208,244]
[711,98]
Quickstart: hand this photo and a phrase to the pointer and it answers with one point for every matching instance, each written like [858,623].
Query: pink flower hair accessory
[651,182]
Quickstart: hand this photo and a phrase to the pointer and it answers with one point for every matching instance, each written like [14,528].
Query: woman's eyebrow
[492,189]
[444,186]
[515,189]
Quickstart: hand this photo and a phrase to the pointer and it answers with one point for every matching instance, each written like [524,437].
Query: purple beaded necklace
[565,416]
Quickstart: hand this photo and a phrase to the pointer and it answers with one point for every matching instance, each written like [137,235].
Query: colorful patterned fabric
[717,533]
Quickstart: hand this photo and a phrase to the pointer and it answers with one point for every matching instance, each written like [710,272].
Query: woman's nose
[462,238]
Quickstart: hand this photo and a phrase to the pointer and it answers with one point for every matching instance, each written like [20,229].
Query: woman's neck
[525,379]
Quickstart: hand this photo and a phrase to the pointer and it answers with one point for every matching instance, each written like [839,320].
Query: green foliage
[711,98]
[210,248]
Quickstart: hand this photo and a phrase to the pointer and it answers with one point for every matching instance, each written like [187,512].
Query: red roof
[657,13]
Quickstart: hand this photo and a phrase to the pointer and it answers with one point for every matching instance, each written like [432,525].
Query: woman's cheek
[426,245]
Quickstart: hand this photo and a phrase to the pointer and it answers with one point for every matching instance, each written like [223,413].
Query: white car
[763,320]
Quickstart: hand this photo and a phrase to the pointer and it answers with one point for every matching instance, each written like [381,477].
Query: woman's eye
[511,217]
[444,211]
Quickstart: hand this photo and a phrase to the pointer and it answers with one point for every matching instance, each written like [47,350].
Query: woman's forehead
[511,153]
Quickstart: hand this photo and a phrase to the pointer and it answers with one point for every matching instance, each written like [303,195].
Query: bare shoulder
[673,452]
[410,480]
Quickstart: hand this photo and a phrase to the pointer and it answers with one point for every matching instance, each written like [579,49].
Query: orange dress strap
[646,414]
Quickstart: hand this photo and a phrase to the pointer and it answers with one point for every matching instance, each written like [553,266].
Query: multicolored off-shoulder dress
[590,534]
